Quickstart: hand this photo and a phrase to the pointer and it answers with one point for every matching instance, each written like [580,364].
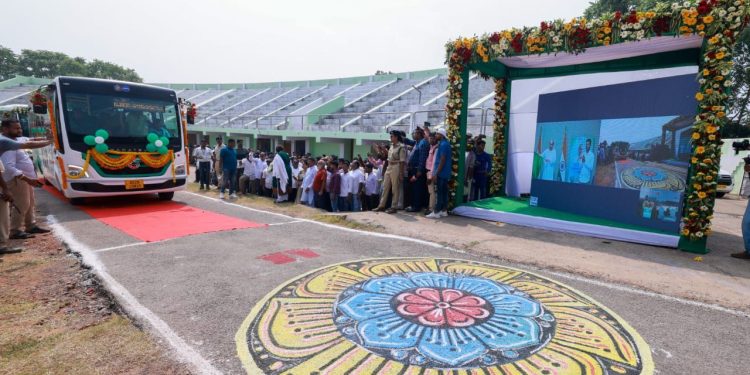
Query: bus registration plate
[133,184]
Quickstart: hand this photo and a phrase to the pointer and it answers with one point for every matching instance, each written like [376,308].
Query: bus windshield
[127,120]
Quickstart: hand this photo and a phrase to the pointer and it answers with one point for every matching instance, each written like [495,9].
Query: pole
[463,126]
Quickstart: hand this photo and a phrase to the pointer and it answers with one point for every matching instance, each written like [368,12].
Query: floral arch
[717,23]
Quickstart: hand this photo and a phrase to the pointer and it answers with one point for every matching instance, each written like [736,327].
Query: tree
[50,64]
[103,69]
[739,100]
[601,7]
[8,63]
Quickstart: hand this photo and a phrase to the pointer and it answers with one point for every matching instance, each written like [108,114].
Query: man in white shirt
[203,162]
[358,186]
[268,179]
[21,178]
[549,156]
[587,171]
[345,194]
[247,183]
[260,166]
[296,179]
[308,196]
[372,196]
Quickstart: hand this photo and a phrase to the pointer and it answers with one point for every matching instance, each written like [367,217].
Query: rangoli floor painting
[435,316]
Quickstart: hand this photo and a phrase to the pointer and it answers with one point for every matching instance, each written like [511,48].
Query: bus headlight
[180,169]
[77,172]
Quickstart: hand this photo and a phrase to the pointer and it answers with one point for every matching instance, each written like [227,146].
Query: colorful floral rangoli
[433,316]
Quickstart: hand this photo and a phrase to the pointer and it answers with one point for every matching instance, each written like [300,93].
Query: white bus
[111,138]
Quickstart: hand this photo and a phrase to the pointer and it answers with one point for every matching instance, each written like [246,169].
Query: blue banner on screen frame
[618,152]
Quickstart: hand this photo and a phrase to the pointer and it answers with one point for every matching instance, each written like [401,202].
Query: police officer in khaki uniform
[394,173]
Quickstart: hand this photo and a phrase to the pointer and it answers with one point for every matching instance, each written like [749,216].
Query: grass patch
[114,346]
[343,221]
[18,347]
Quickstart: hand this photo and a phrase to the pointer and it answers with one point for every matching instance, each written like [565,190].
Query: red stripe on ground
[305,253]
[277,258]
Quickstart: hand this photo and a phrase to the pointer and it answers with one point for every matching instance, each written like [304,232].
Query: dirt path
[54,319]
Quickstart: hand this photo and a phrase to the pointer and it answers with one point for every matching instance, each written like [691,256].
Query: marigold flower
[708,19]
[699,96]
[700,149]
[702,195]
[697,186]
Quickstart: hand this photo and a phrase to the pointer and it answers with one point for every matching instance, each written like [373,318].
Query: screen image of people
[657,204]
[565,152]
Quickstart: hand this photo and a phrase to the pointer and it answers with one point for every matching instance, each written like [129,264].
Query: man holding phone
[20,176]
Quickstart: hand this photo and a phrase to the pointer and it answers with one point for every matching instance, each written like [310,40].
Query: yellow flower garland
[125,158]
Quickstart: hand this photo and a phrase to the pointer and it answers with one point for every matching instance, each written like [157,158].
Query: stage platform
[518,212]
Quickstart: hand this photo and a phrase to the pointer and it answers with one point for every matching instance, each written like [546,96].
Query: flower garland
[719,21]
[123,159]
[497,178]
[453,110]
[38,98]
[721,26]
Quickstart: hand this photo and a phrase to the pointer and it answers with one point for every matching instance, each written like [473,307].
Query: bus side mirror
[40,109]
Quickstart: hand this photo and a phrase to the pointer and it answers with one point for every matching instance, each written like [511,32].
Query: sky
[233,41]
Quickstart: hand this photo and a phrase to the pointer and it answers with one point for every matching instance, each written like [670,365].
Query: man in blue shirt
[418,171]
[229,168]
[441,174]
[482,167]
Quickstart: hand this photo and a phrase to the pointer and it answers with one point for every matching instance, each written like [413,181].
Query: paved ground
[202,287]
[714,278]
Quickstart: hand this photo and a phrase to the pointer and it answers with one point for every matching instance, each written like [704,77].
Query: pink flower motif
[435,307]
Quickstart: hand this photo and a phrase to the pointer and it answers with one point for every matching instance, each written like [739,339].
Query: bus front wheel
[166,196]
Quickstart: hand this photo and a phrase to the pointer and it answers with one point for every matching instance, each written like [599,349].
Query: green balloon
[163,150]
[89,140]
[152,137]
[164,141]
[150,147]
[102,133]
[101,148]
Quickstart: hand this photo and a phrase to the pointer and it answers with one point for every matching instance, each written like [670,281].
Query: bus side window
[58,125]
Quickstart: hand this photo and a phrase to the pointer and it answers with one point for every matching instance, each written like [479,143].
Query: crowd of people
[18,179]
[410,174]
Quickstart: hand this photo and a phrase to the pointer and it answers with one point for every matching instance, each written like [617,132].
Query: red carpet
[151,220]
[156,220]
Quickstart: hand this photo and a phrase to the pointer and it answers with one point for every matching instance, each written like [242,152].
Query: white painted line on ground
[623,288]
[613,286]
[372,234]
[121,247]
[286,222]
[130,304]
